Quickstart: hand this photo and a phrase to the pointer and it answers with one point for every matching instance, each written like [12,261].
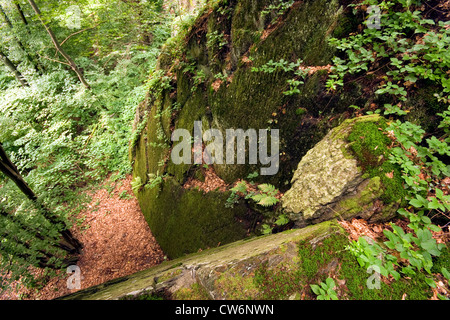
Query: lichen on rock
[330,182]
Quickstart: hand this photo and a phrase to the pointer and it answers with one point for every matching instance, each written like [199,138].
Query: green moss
[370,147]
[443,261]
[140,165]
[362,201]
[169,275]
[346,24]
[278,283]
[199,175]
[184,221]
[315,267]
[144,296]
[236,286]
[195,292]
[300,111]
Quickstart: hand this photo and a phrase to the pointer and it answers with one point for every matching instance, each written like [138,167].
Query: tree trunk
[8,22]
[13,69]
[68,241]
[69,60]
[40,67]
[20,44]
[21,15]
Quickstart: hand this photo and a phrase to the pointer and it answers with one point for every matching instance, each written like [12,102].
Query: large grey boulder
[329,183]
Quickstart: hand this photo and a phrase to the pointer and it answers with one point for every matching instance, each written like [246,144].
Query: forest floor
[117,242]
[357,228]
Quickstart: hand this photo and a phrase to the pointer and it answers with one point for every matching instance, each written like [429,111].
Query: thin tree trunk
[20,44]
[69,60]
[8,63]
[21,15]
[68,241]
[35,60]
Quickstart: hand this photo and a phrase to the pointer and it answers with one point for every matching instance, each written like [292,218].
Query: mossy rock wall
[241,100]
[186,221]
[346,175]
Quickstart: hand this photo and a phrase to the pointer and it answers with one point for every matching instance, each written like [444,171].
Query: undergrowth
[405,53]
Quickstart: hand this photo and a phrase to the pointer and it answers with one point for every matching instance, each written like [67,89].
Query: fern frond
[268,189]
[265,200]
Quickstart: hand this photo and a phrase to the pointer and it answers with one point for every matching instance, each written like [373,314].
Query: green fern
[264,200]
[136,184]
[240,187]
[268,189]
[154,181]
[267,196]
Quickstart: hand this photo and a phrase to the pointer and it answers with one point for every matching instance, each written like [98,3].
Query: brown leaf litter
[212,182]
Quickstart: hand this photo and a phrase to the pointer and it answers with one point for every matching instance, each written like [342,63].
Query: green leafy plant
[287,67]
[216,40]
[277,9]
[253,175]
[124,195]
[266,197]
[154,181]
[418,250]
[403,62]
[372,254]
[325,290]
[199,78]
[136,184]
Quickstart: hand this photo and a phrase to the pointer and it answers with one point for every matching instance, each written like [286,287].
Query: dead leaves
[212,182]
[390,175]
[360,227]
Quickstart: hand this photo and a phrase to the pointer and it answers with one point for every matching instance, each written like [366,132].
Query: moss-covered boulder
[346,175]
